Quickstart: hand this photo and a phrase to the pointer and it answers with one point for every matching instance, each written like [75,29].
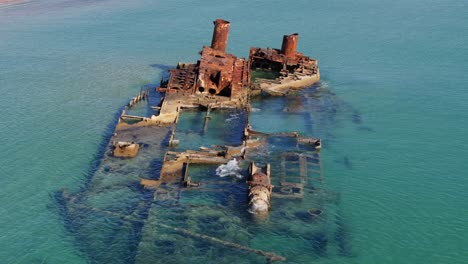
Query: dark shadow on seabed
[102,237]
[112,185]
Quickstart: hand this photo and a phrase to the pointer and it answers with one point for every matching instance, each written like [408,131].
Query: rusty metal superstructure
[285,60]
[221,73]
[216,73]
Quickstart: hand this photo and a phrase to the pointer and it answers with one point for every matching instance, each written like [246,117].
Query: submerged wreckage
[181,203]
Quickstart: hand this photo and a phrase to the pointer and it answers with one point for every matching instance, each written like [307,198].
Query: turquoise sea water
[390,110]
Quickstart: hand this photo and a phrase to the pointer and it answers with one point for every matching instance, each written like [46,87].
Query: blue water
[390,110]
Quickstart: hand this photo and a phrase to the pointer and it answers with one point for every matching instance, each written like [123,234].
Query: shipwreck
[157,185]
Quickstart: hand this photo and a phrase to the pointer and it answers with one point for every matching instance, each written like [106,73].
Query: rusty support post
[288,48]
[207,120]
[220,35]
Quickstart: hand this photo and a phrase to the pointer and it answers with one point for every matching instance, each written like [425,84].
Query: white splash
[255,109]
[230,169]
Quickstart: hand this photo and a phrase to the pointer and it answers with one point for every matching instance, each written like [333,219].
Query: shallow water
[390,111]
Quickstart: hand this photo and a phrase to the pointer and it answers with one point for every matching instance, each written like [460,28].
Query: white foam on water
[255,109]
[230,169]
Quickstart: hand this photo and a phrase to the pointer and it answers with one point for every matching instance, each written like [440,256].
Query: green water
[390,111]
[263,74]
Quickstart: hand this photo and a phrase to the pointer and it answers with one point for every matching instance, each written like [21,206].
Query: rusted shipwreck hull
[218,80]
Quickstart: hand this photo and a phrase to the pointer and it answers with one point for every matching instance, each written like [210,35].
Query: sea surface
[391,109]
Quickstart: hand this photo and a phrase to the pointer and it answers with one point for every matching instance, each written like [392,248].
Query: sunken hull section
[156,196]
[107,214]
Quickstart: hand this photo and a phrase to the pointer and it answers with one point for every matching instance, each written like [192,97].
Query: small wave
[233,117]
[230,169]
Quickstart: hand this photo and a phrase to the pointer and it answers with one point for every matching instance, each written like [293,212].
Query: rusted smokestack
[289,46]
[220,35]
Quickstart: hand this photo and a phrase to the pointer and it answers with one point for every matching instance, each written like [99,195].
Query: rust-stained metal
[220,35]
[284,61]
[259,189]
[221,73]
[291,69]
[183,78]
[289,46]
[216,73]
